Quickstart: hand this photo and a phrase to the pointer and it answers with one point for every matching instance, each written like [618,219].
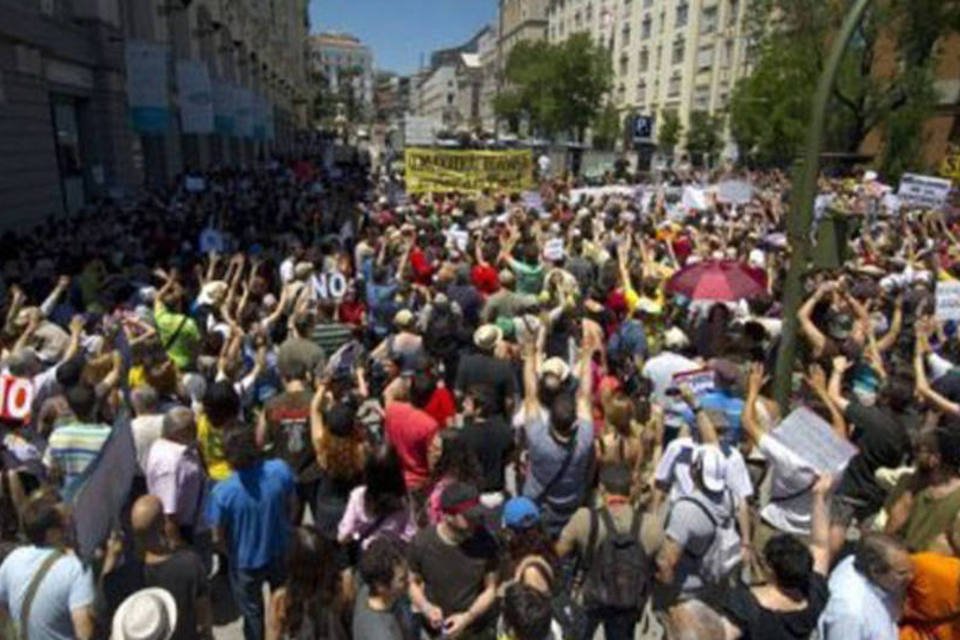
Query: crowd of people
[387,416]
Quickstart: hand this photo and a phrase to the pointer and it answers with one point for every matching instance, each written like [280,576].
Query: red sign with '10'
[16,397]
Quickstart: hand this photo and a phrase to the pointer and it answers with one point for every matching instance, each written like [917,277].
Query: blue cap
[520,513]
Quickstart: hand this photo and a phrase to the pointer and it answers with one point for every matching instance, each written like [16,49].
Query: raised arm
[47,306]
[820,525]
[834,391]
[590,344]
[923,385]
[748,418]
[816,379]
[896,323]
[813,335]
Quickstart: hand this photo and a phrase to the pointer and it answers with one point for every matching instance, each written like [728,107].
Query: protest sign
[99,494]
[734,192]
[460,239]
[950,168]
[532,200]
[329,285]
[195,184]
[694,198]
[810,437]
[625,191]
[923,192]
[439,170]
[700,381]
[553,249]
[948,301]
[212,240]
[16,398]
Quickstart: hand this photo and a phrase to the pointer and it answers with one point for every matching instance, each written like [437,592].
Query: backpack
[723,555]
[618,569]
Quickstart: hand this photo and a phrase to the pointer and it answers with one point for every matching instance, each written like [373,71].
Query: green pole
[805,188]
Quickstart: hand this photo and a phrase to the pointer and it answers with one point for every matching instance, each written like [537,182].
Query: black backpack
[618,570]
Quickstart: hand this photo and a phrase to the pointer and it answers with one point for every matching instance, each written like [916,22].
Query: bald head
[146,516]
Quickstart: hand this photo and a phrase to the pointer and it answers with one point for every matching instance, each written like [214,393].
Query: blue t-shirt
[730,407]
[68,586]
[251,507]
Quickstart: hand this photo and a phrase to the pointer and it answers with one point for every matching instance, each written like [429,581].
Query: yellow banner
[950,168]
[437,170]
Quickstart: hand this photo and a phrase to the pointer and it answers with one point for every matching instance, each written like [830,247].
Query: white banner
[948,301]
[923,192]
[812,439]
[196,97]
[734,192]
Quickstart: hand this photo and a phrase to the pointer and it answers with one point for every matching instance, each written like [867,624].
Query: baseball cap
[461,498]
[713,467]
[520,513]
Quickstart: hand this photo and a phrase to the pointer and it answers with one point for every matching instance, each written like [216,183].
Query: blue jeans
[617,624]
[247,587]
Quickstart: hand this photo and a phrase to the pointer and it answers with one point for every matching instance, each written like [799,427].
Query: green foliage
[555,87]
[607,128]
[770,108]
[703,136]
[669,130]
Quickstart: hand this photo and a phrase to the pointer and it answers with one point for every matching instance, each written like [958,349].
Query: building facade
[101,97]
[339,57]
[678,55]
[488,55]
[437,93]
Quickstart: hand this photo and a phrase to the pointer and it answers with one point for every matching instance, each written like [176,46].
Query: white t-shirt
[146,430]
[661,368]
[674,470]
[790,478]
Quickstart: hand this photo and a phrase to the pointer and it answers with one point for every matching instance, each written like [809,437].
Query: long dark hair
[457,460]
[386,492]
[313,580]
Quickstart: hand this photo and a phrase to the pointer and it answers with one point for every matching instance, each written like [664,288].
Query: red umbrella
[723,280]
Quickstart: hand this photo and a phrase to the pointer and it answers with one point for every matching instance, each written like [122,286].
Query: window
[561,29]
[621,93]
[734,9]
[577,19]
[701,98]
[678,50]
[708,22]
[624,63]
[625,35]
[641,92]
[683,11]
[449,98]
[589,13]
[727,58]
[663,21]
[705,57]
[673,88]
[645,27]
[647,4]
[644,63]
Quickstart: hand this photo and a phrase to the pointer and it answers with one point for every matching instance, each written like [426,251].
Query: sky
[399,31]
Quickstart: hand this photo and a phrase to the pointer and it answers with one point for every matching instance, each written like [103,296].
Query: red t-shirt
[422,269]
[485,279]
[411,431]
[352,312]
[442,406]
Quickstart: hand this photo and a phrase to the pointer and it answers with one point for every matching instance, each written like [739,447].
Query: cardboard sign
[810,437]
[923,192]
[734,192]
[948,301]
[553,249]
[16,398]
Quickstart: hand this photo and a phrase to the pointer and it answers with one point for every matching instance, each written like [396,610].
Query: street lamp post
[805,185]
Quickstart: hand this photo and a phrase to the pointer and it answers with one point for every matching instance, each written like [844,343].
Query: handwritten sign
[734,192]
[16,398]
[923,192]
[553,249]
[810,437]
[948,301]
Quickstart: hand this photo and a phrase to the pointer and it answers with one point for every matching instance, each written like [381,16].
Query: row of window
[709,20]
[705,57]
[339,59]
[701,94]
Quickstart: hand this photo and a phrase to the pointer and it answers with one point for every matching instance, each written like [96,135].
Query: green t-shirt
[529,278]
[181,348]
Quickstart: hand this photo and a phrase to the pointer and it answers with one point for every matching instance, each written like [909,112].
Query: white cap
[713,467]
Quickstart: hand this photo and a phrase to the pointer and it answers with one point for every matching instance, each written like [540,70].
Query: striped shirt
[73,447]
[331,337]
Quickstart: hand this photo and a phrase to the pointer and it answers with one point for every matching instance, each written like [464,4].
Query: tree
[703,137]
[557,88]
[607,128]
[884,82]
[668,132]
